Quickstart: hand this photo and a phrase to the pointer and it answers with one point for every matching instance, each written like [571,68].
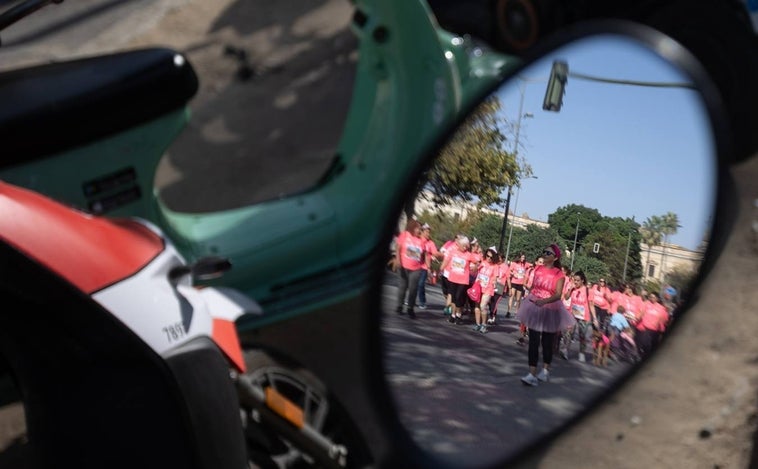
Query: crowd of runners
[553,306]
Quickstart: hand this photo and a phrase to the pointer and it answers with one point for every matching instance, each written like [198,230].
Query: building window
[651,271]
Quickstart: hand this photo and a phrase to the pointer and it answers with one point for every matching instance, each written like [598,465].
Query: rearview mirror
[602,148]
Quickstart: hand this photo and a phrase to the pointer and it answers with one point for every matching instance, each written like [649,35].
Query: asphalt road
[431,363]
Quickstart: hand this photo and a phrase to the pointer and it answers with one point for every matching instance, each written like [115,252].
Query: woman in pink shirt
[457,264]
[566,287]
[526,287]
[601,298]
[583,310]
[444,284]
[631,302]
[431,251]
[410,257]
[543,313]
[474,263]
[539,260]
[652,324]
[503,278]
[519,270]
[486,276]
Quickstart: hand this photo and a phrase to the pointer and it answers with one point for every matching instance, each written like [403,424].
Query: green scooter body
[412,81]
[90,132]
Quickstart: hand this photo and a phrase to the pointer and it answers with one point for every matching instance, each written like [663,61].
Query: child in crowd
[621,336]
[601,344]
[618,321]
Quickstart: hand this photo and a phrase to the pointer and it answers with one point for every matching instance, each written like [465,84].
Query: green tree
[574,221]
[617,240]
[652,285]
[652,235]
[532,241]
[594,269]
[486,228]
[618,254]
[444,227]
[473,165]
[669,226]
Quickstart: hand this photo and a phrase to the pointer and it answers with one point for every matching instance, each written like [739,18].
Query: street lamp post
[505,220]
[510,232]
[515,155]
[626,258]
[576,235]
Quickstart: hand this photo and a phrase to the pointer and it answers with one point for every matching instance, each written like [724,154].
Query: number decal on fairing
[174,332]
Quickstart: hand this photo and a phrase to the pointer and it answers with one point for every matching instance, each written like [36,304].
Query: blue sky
[628,151]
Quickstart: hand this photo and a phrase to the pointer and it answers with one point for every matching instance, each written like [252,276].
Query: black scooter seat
[49,108]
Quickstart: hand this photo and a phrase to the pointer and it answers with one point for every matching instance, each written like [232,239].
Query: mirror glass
[619,176]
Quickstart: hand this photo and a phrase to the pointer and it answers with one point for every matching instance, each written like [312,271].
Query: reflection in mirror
[617,176]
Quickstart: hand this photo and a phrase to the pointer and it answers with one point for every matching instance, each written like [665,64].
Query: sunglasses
[547,252]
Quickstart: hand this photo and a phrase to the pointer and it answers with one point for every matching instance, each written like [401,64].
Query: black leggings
[535,338]
[493,304]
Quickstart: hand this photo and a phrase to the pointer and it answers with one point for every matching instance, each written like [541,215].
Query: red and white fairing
[123,265]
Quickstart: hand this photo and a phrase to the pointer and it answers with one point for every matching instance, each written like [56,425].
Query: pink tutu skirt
[552,317]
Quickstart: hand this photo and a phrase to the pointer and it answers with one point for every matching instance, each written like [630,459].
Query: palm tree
[669,226]
[651,234]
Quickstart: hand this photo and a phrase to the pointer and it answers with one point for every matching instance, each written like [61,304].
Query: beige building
[656,261]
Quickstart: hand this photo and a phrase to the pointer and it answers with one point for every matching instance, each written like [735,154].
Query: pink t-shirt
[530,277]
[545,281]
[567,286]
[486,277]
[444,250]
[519,271]
[448,245]
[412,251]
[503,272]
[457,264]
[654,318]
[430,249]
[475,261]
[600,296]
[580,306]
[632,305]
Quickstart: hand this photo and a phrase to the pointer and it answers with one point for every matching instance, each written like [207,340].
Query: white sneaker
[543,375]
[582,358]
[530,380]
